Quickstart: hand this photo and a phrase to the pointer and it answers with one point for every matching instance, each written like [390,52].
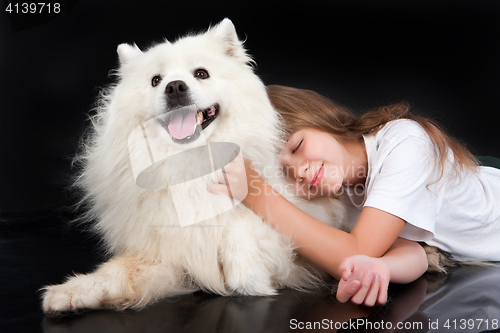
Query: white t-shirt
[460,216]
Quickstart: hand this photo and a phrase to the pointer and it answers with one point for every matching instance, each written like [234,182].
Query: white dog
[154,254]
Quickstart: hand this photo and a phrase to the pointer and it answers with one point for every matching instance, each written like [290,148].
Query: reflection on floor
[40,249]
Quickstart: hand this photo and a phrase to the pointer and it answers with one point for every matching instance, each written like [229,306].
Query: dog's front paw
[70,297]
[60,299]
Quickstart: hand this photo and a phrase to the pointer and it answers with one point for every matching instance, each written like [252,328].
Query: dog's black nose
[177,93]
[176,87]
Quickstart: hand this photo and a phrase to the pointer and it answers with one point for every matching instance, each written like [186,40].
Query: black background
[441,56]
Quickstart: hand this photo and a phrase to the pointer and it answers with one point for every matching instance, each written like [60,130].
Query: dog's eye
[156,80]
[201,73]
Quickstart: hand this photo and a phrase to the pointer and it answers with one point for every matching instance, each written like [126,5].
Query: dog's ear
[226,33]
[127,52]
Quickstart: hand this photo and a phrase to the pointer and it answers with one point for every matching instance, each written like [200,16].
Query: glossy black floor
[40,249]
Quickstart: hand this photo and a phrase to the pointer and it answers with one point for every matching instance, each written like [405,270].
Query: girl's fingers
[346,274]
[382,294]
[366,283]
[238,160]
[220,177]
[237,164]
[345,290]
[236,168]
[345,269]
[372,296]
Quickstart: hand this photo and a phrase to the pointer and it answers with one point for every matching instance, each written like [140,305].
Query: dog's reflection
[201,312]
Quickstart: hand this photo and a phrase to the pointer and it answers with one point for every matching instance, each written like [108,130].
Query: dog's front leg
[119,283]
[246,267]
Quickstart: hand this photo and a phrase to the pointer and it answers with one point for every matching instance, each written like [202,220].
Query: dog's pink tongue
[182,123]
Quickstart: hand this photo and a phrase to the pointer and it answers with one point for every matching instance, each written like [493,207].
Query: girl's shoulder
[402,129]
[404,133]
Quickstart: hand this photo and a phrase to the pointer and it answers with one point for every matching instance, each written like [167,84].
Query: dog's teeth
[199,118]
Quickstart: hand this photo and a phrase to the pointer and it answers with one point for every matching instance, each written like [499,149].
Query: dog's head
[188,84]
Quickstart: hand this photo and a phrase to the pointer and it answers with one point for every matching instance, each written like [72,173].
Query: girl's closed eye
[297,146]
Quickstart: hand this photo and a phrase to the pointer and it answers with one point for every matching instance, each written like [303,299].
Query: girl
[403,181]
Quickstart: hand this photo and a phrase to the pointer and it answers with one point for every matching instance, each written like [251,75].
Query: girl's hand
[232,179]
[364,280]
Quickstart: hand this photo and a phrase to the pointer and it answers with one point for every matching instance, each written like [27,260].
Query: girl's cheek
[296,189]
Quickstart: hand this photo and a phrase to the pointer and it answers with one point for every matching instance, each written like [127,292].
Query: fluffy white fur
[153,257]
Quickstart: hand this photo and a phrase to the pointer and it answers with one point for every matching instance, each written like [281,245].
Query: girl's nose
[302,172]
[294,168]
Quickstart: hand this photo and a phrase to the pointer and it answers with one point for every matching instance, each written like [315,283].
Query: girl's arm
[374,233]
[406,260]
[326,246]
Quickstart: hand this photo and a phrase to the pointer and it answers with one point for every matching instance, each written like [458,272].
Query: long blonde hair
[302,108]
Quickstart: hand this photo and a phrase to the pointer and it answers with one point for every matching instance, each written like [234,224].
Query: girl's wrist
[258,189]
[262,198]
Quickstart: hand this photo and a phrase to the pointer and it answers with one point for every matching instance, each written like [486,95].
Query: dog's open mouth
[185,124]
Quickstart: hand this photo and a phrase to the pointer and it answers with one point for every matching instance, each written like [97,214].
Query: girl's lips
[317,177]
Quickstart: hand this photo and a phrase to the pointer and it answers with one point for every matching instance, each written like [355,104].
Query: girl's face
[314,163]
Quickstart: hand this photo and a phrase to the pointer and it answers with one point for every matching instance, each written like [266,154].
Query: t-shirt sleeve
[401,187]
